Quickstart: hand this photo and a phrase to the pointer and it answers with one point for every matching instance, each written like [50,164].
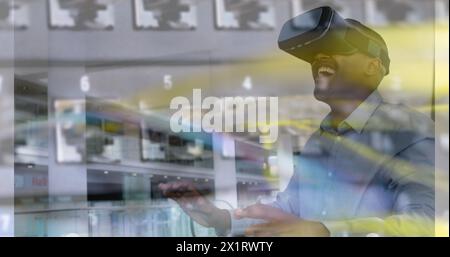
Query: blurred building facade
[85,88]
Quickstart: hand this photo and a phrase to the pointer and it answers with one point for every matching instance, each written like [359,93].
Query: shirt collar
[358,119]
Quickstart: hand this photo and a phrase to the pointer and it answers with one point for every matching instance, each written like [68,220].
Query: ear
[373,66]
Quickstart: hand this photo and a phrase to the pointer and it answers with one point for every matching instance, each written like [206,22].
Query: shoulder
[402,126]
[398,118]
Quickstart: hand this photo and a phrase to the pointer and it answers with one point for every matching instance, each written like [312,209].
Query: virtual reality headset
[323,30]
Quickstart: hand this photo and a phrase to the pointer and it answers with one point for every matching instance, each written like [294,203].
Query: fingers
[255,211]
[288,228]
[190,200]
[173,190]
[262,211]
[179,189]
[262,230]
[275,229]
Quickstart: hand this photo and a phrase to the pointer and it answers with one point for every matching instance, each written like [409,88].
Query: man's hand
[279,223]
[196,205]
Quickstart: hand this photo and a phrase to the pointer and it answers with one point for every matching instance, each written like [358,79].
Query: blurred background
[85,87]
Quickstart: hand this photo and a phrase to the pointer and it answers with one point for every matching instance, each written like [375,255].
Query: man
[368,170]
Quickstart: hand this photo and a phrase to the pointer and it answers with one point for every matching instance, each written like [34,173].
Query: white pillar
[67,182]
[225,171]
[285,160]
[441,60]
[7,133]
[370,10]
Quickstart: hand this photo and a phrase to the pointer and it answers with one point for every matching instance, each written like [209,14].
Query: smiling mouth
[326,71]
[323,76]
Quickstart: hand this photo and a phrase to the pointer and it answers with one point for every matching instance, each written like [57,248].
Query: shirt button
[324,213]
[330,174]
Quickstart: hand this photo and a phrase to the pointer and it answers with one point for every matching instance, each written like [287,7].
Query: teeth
[326,69]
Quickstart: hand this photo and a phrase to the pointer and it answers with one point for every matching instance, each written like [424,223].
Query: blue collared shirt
[365,176]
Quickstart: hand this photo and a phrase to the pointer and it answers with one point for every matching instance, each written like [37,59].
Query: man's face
[338,77]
